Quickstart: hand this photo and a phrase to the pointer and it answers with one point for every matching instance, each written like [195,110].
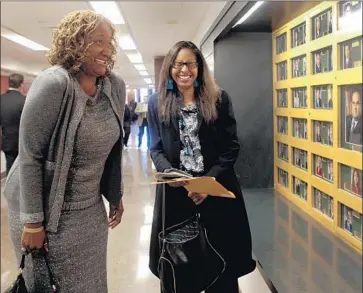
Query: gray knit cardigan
[36,183]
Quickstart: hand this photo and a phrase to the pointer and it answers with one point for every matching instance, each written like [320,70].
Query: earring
[196,83]
[170,84]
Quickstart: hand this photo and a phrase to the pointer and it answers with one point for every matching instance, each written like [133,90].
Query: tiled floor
[129,242]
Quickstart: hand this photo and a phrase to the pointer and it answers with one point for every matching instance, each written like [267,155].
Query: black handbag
[188,262]
[19,286]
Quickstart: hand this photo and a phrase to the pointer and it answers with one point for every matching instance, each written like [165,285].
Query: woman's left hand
[115,215]
[197,198]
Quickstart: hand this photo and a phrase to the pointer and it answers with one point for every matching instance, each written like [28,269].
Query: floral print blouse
[191,158]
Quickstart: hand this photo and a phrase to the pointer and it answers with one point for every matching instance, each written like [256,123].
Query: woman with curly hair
[70,148]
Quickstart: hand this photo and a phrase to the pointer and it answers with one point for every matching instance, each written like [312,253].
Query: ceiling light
[140,66]
[126,43]
[8,34]
[148,80]
[143,73]
[134,57]
[249,12]
[109,10]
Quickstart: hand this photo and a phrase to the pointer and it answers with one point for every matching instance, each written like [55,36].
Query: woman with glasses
[193,129]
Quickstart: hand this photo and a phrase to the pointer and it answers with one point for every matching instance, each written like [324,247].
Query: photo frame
[322,60]
[298,66]
[282,101]
[351,54]
[324,203]
[349,10]
[300,188]
[283,177]
[282,124]
[323,132]
[351,180]
[299,97]
[281,70]
[323,96]
[283,151]
[300,158]
[298,35]
[351,115]
[322,24]
[299,128]
[351,221]
[323,168]
[281,44]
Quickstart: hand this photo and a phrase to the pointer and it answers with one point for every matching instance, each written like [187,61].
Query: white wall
[210,16]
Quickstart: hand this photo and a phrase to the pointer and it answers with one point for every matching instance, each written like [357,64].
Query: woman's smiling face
[184,69]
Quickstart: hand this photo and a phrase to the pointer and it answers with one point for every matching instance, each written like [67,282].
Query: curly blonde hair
[69,48]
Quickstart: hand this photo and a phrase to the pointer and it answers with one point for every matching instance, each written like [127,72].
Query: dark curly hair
[69,48]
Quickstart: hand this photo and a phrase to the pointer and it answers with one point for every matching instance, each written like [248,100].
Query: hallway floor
[128,257]
[296,253]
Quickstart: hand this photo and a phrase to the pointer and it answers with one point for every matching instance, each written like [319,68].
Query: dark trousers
[224,284]
[10,157]
[127,135]
[141,132]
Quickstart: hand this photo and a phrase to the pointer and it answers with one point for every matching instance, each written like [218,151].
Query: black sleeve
[156,149]
[227,131]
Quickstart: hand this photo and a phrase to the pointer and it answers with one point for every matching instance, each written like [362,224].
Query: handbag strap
[45,256]
[51,276]
[163,214]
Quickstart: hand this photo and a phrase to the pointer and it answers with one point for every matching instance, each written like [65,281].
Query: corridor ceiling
[153,26]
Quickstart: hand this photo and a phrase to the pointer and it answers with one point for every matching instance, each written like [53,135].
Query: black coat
[12,104]
[225,219]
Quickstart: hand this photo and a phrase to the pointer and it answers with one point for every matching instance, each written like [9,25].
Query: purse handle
[45,256]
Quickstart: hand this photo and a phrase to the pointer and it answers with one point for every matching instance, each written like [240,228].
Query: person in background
[12,103]
[141,111]
[132,105]
[70,153]
[193,129]
[127,124]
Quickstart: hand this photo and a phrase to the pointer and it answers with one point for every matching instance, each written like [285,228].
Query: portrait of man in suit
[347,57]
[353,121]
[317,63]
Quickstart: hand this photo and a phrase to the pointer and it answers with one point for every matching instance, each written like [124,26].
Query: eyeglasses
[190,65]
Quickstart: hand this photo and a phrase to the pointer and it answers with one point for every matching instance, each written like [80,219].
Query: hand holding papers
[206,185]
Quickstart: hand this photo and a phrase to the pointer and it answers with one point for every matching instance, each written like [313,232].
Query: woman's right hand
[178,183]
[32,241]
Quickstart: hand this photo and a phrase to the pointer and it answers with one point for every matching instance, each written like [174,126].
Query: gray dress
[77,252]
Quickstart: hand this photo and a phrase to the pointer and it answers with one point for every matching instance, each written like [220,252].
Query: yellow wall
[339,155]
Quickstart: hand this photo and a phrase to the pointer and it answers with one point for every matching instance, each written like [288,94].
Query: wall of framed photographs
[317,71]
